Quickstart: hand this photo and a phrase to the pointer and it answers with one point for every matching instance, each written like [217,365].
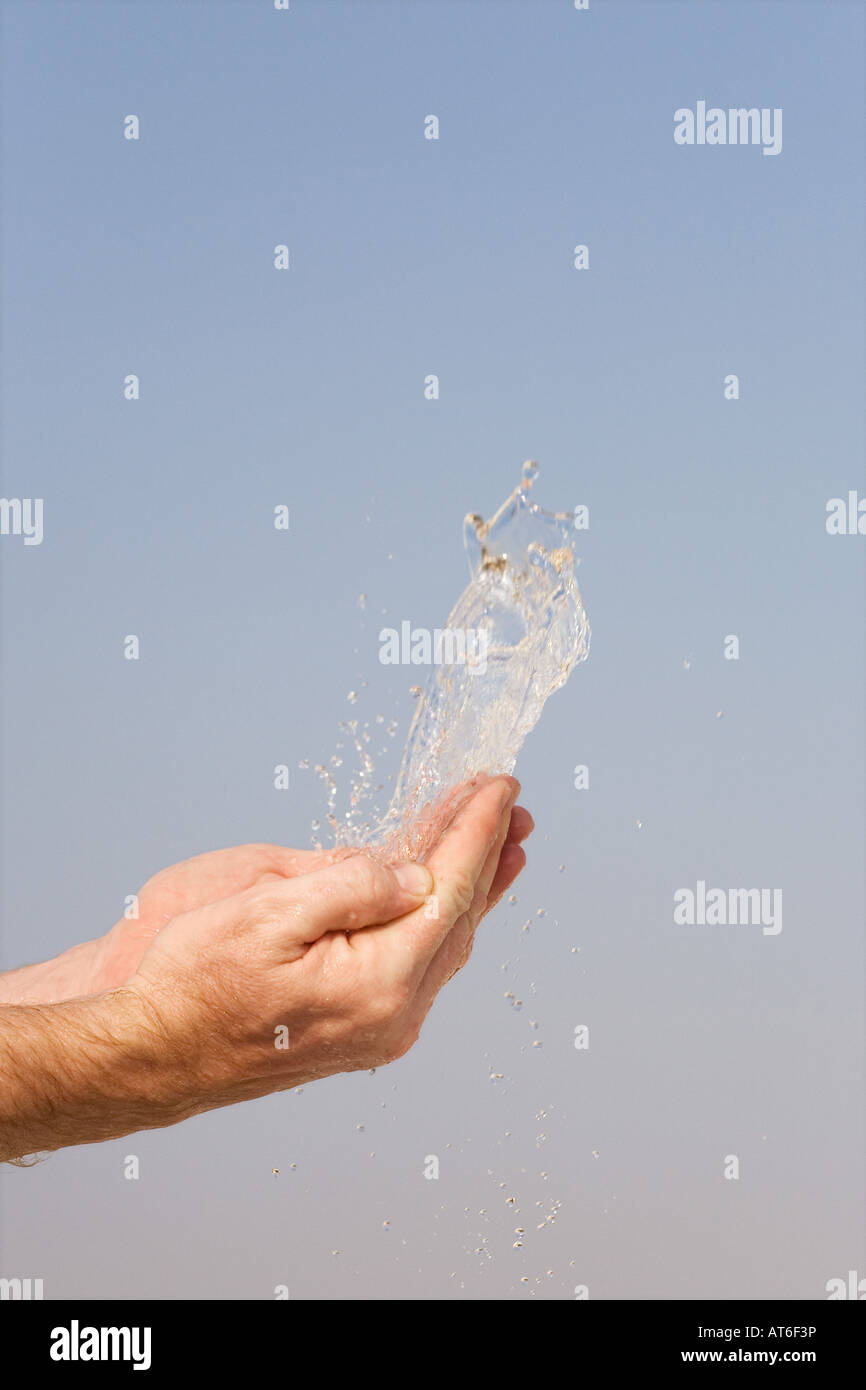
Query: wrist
[155,1073]
[84,1071]
[70,975]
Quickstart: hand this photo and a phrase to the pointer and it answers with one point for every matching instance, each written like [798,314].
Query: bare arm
[79,1072]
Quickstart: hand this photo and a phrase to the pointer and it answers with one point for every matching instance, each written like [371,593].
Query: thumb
[353,893]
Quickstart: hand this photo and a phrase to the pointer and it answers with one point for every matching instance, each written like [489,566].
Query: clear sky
[454,257]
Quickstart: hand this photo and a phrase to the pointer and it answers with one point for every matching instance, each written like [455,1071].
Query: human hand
[206,878]
[106,962]
[188,885]
[299,977]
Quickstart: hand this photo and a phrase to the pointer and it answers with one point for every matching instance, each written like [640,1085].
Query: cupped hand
[325,969]
[207,878]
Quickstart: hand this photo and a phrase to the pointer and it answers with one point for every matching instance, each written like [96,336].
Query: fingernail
[415,879]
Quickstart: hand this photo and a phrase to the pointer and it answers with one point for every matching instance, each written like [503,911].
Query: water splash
[474,716]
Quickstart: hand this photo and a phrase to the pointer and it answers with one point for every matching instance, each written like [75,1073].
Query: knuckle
[386,1006]
[264,907]
[462,890]
[363,876]
[479,904]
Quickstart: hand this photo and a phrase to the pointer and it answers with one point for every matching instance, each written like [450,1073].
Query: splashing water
[524,630]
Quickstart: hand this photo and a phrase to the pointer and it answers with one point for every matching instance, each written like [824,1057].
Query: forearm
[83,1071]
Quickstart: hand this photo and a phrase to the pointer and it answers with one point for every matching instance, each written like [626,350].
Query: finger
[457,947]
[284,862]
[466,924]
[456,862]
[291,863]
[512,862]
[521,827]
[464,854]
[430,823]
[485,878]
[356,892]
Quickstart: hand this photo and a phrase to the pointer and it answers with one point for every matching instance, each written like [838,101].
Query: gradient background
[305,387]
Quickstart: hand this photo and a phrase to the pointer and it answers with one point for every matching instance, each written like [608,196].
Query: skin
[234,954]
